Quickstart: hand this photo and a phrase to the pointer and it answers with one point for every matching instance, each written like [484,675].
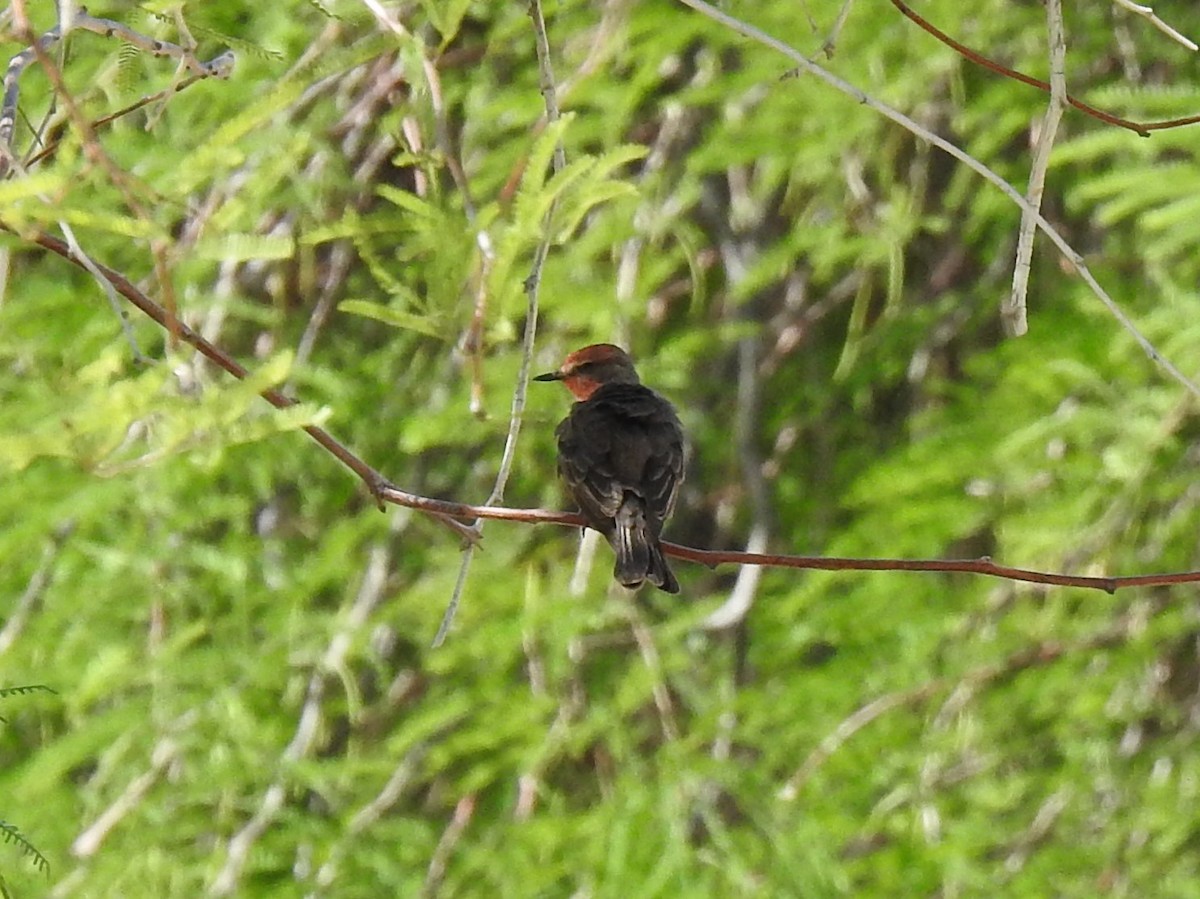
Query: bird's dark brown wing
[585,465]
[624,438]
[664,474]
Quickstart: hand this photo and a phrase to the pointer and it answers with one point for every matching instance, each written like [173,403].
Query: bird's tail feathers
[639,557]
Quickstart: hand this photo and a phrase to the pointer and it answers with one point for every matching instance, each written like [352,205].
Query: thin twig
[162,757]
[1148,13]
[219,66]
[1034,656]
[446,512]
[402,778]
[982,566]
[19,613]
[830,43]
[90,267]
[1014,313]
[1039,829]
[653,662]
[125,183]
[463,812]
[374,481]
[847,728]
[1141,128]
[1075,258]
[109,291]
[532,286]
[53,145]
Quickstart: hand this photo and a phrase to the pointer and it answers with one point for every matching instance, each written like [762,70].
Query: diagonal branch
[447,512]
[1142,128]
[1072,255]
[219,66]
[1033,656]
[1148,13]
[372,478]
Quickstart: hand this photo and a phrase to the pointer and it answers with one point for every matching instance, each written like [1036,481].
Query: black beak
[550,376]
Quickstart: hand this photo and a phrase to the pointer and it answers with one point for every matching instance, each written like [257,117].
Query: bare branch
[1014,312]
[653,662]
[463,812]
[1033,656]
[532,285]
[1073,256]
[219,66]
[447,512]
[1158,23]
[1142,128]
[21,610]
[163,756]
[830,43]
[397,786]
[373,479]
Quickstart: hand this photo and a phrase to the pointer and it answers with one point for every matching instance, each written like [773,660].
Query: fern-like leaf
[10,833]
[25,690]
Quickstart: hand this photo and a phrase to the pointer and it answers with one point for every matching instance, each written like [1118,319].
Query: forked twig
[1142,128]
[219,66]
[1073,256]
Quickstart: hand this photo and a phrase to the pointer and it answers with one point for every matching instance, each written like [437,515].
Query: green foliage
[239,642]
[11,833]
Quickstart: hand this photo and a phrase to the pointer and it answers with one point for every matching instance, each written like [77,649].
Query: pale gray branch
[219,66]
[1072,256]
[1148,13]
[532,286]
[1015,312]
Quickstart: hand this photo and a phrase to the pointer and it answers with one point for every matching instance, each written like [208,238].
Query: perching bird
[620,452]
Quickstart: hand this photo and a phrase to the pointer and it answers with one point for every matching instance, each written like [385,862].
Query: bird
[621,456]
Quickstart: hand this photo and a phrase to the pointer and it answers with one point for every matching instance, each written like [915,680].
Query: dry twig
[1147,13]
[1141,128]
[1015,312]
[532,285]
[219,66]
[1072,255]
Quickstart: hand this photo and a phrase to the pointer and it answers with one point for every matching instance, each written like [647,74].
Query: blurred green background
[247,702]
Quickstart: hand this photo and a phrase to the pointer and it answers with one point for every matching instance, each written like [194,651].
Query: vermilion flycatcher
[620,452]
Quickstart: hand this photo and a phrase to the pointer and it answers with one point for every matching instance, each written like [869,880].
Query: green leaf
[244,247]
[422,324]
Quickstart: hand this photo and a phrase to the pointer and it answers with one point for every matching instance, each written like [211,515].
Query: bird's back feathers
[621,455]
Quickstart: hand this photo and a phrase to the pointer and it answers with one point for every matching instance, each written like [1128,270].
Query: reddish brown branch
[1142,128]
[448,512]
[373,479]
[983,566]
